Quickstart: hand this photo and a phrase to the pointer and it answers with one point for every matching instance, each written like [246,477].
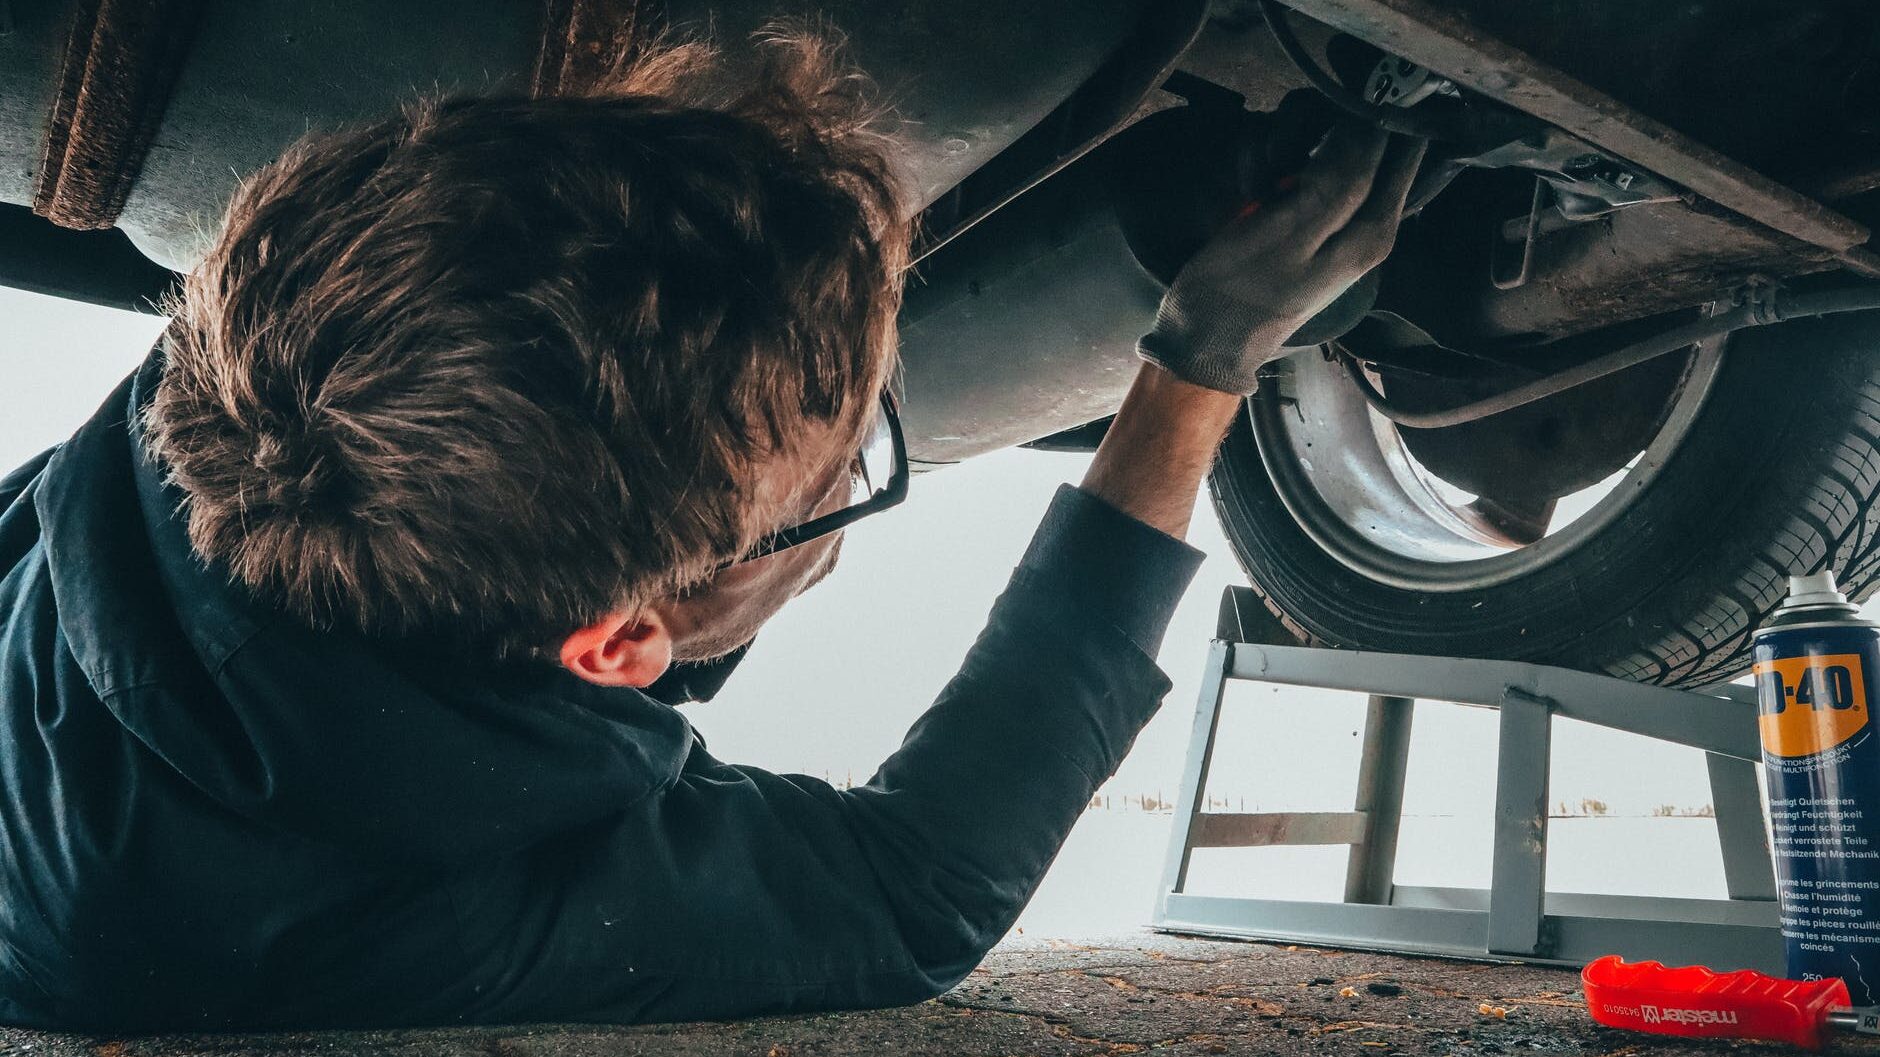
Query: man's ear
[620,649]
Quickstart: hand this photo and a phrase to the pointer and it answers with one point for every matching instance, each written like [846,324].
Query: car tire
[1776,474]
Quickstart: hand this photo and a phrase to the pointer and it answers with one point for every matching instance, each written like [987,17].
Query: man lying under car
[338,651]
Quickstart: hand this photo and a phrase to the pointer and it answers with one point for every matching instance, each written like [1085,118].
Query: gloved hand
[1234,304]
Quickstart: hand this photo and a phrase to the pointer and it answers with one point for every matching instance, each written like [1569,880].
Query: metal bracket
[1498,274]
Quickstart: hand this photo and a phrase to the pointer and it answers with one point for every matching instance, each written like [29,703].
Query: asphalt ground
[1145,994]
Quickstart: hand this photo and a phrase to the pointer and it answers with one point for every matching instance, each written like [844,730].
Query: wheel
[1763,464]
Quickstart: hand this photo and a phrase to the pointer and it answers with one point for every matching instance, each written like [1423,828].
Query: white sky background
[835,681]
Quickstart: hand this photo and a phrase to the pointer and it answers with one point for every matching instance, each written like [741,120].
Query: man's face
[634,648]
[727,611]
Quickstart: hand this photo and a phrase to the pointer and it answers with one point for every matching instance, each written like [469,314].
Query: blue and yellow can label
[1810,704]
[1822,758]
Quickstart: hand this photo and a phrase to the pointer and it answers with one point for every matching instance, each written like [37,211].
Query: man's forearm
[1161,444]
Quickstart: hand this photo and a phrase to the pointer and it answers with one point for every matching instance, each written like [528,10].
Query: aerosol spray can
[1815,665]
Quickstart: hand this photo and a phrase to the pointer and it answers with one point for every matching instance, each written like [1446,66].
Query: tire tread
[1815,504]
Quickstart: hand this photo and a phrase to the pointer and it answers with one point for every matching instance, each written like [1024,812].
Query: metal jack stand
[1515,918]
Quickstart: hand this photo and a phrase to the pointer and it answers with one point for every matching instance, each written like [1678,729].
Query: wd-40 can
[1815,666]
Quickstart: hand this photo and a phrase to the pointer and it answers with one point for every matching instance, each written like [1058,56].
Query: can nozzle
[1815,589]
[1813,597]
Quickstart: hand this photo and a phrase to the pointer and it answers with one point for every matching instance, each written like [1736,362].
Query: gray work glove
[1235,303]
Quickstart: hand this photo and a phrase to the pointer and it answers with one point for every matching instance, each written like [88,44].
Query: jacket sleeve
[737,892]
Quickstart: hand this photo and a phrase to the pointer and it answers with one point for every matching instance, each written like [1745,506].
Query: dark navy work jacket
[212,817]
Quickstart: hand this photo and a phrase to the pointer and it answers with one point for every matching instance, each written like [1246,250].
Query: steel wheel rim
[1317,438]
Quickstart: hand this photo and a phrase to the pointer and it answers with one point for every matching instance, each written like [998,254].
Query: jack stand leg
[1748,872]
[1194,789]
[1518,889]
[1370,874]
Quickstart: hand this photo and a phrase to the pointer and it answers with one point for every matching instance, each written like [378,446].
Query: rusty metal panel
[1444,40]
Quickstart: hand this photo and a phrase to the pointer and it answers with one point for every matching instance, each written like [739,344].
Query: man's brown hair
[498,366]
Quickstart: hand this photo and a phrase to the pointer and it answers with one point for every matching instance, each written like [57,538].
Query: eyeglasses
[878,479]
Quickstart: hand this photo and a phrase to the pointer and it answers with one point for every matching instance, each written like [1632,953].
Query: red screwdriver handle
[1693,1002]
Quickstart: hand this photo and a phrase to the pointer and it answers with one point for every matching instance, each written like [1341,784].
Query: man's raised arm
[736,891]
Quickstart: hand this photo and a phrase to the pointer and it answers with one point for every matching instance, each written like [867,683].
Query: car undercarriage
[1617,380]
